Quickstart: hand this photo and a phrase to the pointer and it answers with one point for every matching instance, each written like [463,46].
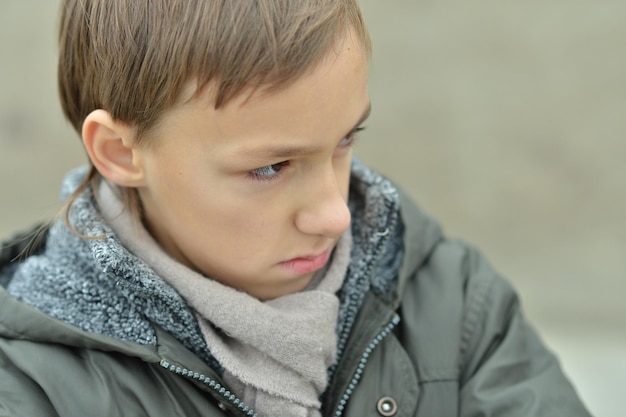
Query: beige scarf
[275,353]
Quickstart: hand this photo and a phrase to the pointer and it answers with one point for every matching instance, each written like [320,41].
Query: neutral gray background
[505,120]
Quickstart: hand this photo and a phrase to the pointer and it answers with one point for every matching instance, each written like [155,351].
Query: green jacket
[451,341]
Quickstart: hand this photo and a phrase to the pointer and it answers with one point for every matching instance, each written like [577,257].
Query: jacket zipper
[362,362]
[381,335]
[212,384]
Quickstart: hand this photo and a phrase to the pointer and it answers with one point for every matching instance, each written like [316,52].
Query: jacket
[448,338]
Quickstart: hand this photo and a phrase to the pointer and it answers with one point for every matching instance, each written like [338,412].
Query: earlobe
[109,144]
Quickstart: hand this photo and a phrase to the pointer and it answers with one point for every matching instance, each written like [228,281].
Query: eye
[350,138]
[269,172]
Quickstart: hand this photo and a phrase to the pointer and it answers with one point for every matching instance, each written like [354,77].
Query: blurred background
[505,120]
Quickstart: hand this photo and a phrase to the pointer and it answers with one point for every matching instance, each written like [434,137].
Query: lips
[307,264]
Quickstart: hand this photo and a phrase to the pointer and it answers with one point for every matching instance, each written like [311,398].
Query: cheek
[227,234]
[213,209]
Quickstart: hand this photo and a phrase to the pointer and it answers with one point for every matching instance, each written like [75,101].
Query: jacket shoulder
[463,323]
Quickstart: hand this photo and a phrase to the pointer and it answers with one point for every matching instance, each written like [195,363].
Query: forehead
[323,103]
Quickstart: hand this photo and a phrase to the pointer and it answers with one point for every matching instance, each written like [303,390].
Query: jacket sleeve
[506,369]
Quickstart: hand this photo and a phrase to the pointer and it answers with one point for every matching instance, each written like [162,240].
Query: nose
[325,210]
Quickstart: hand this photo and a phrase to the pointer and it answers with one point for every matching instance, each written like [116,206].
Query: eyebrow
[281,151]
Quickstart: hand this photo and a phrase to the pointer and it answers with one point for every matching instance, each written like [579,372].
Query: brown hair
[135,58]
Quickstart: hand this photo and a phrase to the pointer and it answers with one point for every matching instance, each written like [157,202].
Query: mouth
[307,264]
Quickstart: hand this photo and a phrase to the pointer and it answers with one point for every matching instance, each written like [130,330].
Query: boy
[224,254]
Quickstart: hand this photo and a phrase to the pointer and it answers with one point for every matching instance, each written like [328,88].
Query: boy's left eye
[349,140]
[269,172]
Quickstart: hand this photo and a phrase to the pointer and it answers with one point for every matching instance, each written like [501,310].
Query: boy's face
[254,194]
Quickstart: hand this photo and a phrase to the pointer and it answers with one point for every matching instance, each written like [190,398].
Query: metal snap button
[387,407]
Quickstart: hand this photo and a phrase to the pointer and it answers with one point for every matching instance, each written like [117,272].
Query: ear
[110,146]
